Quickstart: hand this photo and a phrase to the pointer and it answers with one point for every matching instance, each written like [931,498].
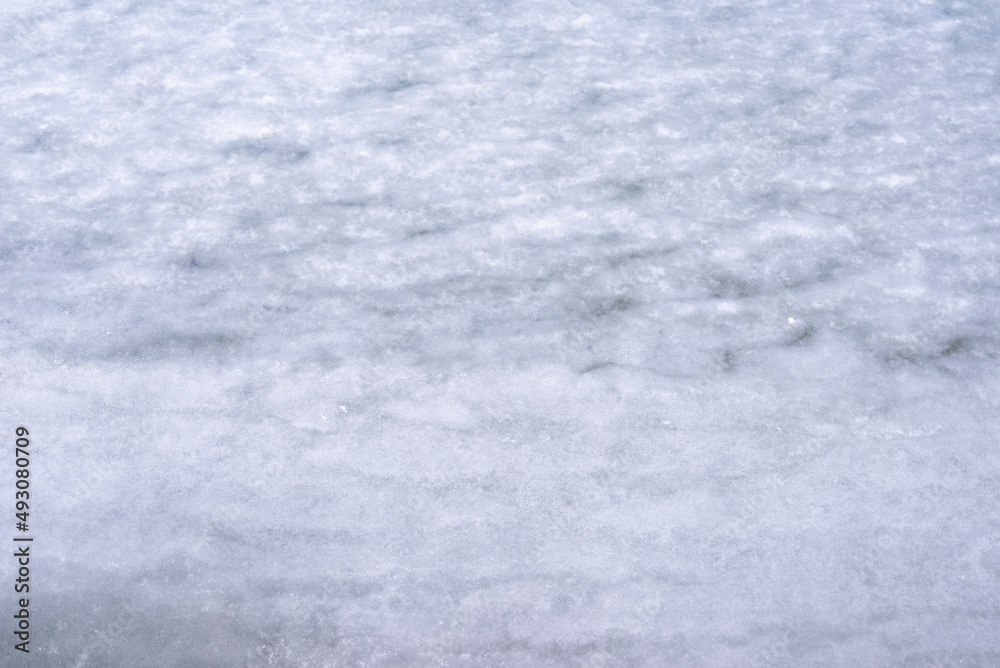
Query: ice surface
[567,333]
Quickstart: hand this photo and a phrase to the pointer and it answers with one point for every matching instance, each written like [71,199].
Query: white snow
[501,333]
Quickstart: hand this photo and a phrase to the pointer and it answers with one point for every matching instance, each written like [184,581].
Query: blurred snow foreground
[568,333]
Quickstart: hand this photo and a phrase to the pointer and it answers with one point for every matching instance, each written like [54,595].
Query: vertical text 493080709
[22,550]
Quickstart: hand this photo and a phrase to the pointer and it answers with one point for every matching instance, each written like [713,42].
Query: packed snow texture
[570,333]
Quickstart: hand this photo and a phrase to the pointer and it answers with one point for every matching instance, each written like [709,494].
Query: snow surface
[569,333]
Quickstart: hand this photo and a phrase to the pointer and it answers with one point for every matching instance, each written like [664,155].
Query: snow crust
[565,333]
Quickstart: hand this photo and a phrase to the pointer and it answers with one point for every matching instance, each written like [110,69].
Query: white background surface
[503,333]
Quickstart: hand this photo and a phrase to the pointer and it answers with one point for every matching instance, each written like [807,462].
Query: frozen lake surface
[567,333]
